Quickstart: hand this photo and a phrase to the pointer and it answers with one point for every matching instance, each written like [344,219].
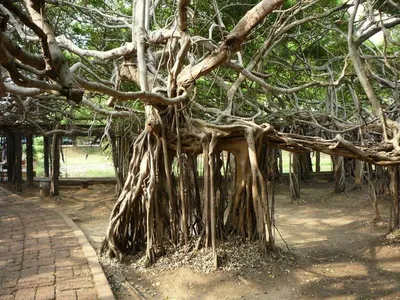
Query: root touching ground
[162,200]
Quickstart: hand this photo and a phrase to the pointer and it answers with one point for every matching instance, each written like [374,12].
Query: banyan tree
[230,83]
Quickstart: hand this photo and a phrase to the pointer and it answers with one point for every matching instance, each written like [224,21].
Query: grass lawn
[325,162]
[81,162]
[91,162]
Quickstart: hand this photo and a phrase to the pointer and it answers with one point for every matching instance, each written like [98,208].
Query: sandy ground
[338,251]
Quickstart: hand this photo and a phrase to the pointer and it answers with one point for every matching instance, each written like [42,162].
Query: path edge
[100,280]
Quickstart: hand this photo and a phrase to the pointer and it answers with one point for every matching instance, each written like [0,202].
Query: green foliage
[38,148]
[311,51]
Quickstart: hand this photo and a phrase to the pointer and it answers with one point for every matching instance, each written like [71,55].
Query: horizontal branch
[22,91]
[269,87]
[369,33]
[25,57]
[126,49]
[98,109]
[147,98]
[155,37]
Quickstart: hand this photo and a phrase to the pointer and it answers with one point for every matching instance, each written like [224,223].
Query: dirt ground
[337,252]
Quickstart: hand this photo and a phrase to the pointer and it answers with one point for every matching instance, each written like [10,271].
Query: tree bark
[358,173]
[361,73]
[317,162]
[339,174]
[231,44]
[396,197]
[18,162]
[302,165]
[55,166]
[372,192]
[29,159]
[293,180]
[10,157]
[46,159]
[117,163]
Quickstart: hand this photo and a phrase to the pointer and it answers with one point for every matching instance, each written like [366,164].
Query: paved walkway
[40,256]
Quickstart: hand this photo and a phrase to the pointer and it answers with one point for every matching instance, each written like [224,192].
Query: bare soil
[337,251]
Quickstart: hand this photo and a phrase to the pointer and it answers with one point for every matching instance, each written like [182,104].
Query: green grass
[38,167]
[325,162]
[81,162]
[91,162]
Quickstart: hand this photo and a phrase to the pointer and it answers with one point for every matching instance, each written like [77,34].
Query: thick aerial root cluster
[162,201]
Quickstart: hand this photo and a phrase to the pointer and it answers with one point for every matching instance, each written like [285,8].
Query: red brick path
[40,257]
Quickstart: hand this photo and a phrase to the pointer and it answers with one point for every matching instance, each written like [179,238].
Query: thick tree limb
[362,75]
[25,57]
[146,97]
[98,109]
[231,43]
[369,33]
[47,51]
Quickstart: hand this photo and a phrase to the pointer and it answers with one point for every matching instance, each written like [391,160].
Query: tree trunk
[55,166]
[29,159]
[18,162]
[46,160]
[396,197]
[372,192]
[317,162]
[293,180]
[358,65]
[339,174]
[272,167]
[117,163]
[124,155]
[382,180]
[153,207]
[280,164]
[147,211]
[10,157]
[302,165]
[358,173]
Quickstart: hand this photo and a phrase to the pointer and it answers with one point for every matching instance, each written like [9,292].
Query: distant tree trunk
[349,167]
[293,180]
[124,154]
[117,163]
[55,166]
[280,164]
[10,157]
[382,179]
[126,158]
[29,159]
[271,162]
[46,159]
[372,192]
[396,197]
[339,174]
[18,162]
[358,173]
[317,162]
[302,165]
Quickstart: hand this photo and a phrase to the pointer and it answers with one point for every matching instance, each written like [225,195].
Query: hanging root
[154,208]
[132,223]
[149,211]
[128,210]
[339,174]
[293,181]
[372,194]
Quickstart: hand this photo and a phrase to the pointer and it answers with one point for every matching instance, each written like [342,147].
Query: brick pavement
[40,257]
